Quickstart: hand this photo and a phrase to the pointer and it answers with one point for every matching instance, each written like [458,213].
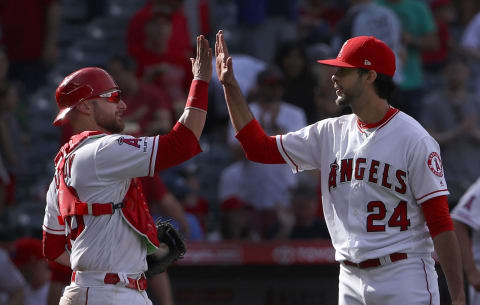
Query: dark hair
[270,75]
[4,89]
[284,50]
[456,58]
[384,86]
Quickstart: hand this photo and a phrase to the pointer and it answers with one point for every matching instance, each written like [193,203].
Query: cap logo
[366,62]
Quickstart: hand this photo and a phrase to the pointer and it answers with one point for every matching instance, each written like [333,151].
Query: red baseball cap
[233,203]
[27,249]
[365,52]
[439,3]
[79,86]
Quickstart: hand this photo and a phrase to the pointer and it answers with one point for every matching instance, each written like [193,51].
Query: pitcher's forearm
[238,109]
[448,252]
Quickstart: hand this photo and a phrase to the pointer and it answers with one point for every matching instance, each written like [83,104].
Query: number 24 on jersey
[379,211]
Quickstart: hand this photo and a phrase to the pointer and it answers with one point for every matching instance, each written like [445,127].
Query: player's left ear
[85,107]
[371,76]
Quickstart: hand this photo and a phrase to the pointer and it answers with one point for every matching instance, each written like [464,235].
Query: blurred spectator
[159,40]
[160,289]
[467,10]
[61,277]
[4,182]
[470,44]
[12,283]
[183,29]
[235,222]
[185,184]
[324,98]
[451,116]
[300,220]
[12,140]
[170,71]
[324,93]
[366,18]
[262,25]
[318,19]
[29,259]
[198,15]
[247,68]
[419,35]
[264,186]
[29,34]
[300,82]
[149,108]
[162,203]
[444,14]
[4,66]
[96,8]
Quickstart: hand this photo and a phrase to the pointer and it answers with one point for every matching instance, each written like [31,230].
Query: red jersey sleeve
[437,215]
[259,147]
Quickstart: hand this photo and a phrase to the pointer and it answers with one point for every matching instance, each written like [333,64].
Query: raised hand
[202,64]
[223,60]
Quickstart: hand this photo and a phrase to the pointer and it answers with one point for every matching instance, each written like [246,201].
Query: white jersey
[100,170]
[373,181]
[467,211]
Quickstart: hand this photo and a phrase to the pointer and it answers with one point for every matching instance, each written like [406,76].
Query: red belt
[375,262]
[139,284]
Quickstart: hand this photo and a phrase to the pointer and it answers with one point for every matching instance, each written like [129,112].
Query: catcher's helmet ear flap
[79,86]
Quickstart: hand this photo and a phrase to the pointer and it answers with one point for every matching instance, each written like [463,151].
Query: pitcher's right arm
[257,145]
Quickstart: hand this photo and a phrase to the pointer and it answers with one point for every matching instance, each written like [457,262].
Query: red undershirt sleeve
[179,145]
[259,147]
[437,215]
[53,245]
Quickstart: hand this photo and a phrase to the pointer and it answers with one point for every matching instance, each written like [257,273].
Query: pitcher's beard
[342,100]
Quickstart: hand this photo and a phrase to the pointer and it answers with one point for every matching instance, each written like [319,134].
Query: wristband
[198,95]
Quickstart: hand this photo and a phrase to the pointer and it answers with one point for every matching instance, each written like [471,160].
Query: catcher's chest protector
[134,208]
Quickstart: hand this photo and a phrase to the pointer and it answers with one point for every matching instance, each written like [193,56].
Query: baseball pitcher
[383,185]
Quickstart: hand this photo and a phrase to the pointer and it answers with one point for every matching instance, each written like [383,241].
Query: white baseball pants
[412,281]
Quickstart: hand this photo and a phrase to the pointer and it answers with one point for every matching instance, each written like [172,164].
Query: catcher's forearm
[446,247]
[238,109]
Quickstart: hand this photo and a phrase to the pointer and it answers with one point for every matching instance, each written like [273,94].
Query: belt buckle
[138,283]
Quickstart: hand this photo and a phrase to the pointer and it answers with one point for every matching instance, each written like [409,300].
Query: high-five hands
[223,60]
[202,64]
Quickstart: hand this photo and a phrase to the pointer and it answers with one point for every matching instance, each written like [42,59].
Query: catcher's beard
[108,122]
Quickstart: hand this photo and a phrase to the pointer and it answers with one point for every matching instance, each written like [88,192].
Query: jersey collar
[388,116]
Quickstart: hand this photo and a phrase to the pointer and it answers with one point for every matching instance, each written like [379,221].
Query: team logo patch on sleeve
[435,164]
[129,141]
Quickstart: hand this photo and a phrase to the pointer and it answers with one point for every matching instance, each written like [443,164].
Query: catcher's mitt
[171,248]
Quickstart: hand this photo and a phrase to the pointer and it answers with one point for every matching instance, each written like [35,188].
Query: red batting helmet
[79,86]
